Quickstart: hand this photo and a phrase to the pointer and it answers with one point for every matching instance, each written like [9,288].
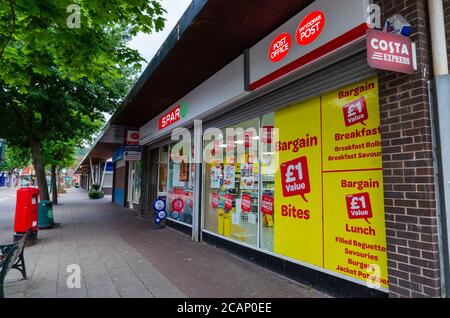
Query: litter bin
[45,215]
[26,217]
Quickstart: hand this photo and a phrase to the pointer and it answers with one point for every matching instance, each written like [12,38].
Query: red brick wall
[411,223]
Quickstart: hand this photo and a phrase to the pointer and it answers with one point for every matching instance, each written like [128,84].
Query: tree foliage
[35,38]
[58,79]
[56,114]
[15,158]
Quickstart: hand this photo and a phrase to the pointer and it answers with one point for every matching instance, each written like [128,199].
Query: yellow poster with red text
[329,203]
[354,218]
[298,184]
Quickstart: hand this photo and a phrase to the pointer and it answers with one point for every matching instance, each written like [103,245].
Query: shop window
[231,183]
[180,197]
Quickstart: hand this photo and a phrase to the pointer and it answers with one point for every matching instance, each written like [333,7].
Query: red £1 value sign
[295,178]
[359,207]
[356,112]
[228,202]
[246,203]
[214,200]
[267,203]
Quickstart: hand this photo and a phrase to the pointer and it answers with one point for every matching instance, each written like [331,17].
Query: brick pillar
[149,182]
[144,208]
[153,175]
[411,219]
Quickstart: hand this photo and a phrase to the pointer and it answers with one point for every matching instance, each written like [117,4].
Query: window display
[232,185]
[180,197]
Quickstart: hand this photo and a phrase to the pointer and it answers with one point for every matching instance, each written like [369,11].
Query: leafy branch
[13,27]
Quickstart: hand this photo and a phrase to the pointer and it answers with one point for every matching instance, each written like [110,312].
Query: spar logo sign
[390,52]
[280,47]
[173,116]
[310,28]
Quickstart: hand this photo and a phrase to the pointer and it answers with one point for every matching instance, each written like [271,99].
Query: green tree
[58,155]
[56,110]
[56,78]
[15,158]
[37,36]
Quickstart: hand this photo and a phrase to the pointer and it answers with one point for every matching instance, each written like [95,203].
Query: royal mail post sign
[320,29]
[390,52]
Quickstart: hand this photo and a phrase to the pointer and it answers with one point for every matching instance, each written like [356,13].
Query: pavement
[101,250]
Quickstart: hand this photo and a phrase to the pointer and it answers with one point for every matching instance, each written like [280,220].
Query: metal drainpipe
[440,68]
[438,39]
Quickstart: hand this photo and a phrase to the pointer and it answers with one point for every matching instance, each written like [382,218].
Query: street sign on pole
[2,150]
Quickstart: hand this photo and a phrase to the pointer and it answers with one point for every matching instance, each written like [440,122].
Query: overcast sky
[148,45]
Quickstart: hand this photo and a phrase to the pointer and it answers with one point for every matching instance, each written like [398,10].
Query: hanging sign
[132,138]
[228,201]
[246,203]
[390,52]
[214,200]
[267,204]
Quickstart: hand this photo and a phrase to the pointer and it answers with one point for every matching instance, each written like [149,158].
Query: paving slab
[119,254]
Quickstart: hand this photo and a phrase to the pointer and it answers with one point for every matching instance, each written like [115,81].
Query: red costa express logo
[173,116]
[356,112]
[359,207]
[310,28]
[295,178]
[390,52]
[280,47]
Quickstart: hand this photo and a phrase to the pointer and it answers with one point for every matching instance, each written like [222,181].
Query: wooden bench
[11,256]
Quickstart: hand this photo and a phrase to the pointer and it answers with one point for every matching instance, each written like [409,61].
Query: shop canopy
[208,36]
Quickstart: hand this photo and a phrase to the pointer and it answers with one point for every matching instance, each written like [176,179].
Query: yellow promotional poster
[354,228]
[298,184]
[351,134]
[329,205]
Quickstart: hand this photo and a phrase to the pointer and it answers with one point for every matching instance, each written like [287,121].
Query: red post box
[27,203]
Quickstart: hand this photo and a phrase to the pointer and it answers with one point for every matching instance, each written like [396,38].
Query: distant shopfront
[128,172]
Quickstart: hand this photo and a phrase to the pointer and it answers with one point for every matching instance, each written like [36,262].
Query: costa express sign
[173,116]
[390,52]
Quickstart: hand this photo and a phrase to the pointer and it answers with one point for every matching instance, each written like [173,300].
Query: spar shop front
[278,157]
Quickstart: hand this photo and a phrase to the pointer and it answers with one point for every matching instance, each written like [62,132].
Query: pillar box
[26,217]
